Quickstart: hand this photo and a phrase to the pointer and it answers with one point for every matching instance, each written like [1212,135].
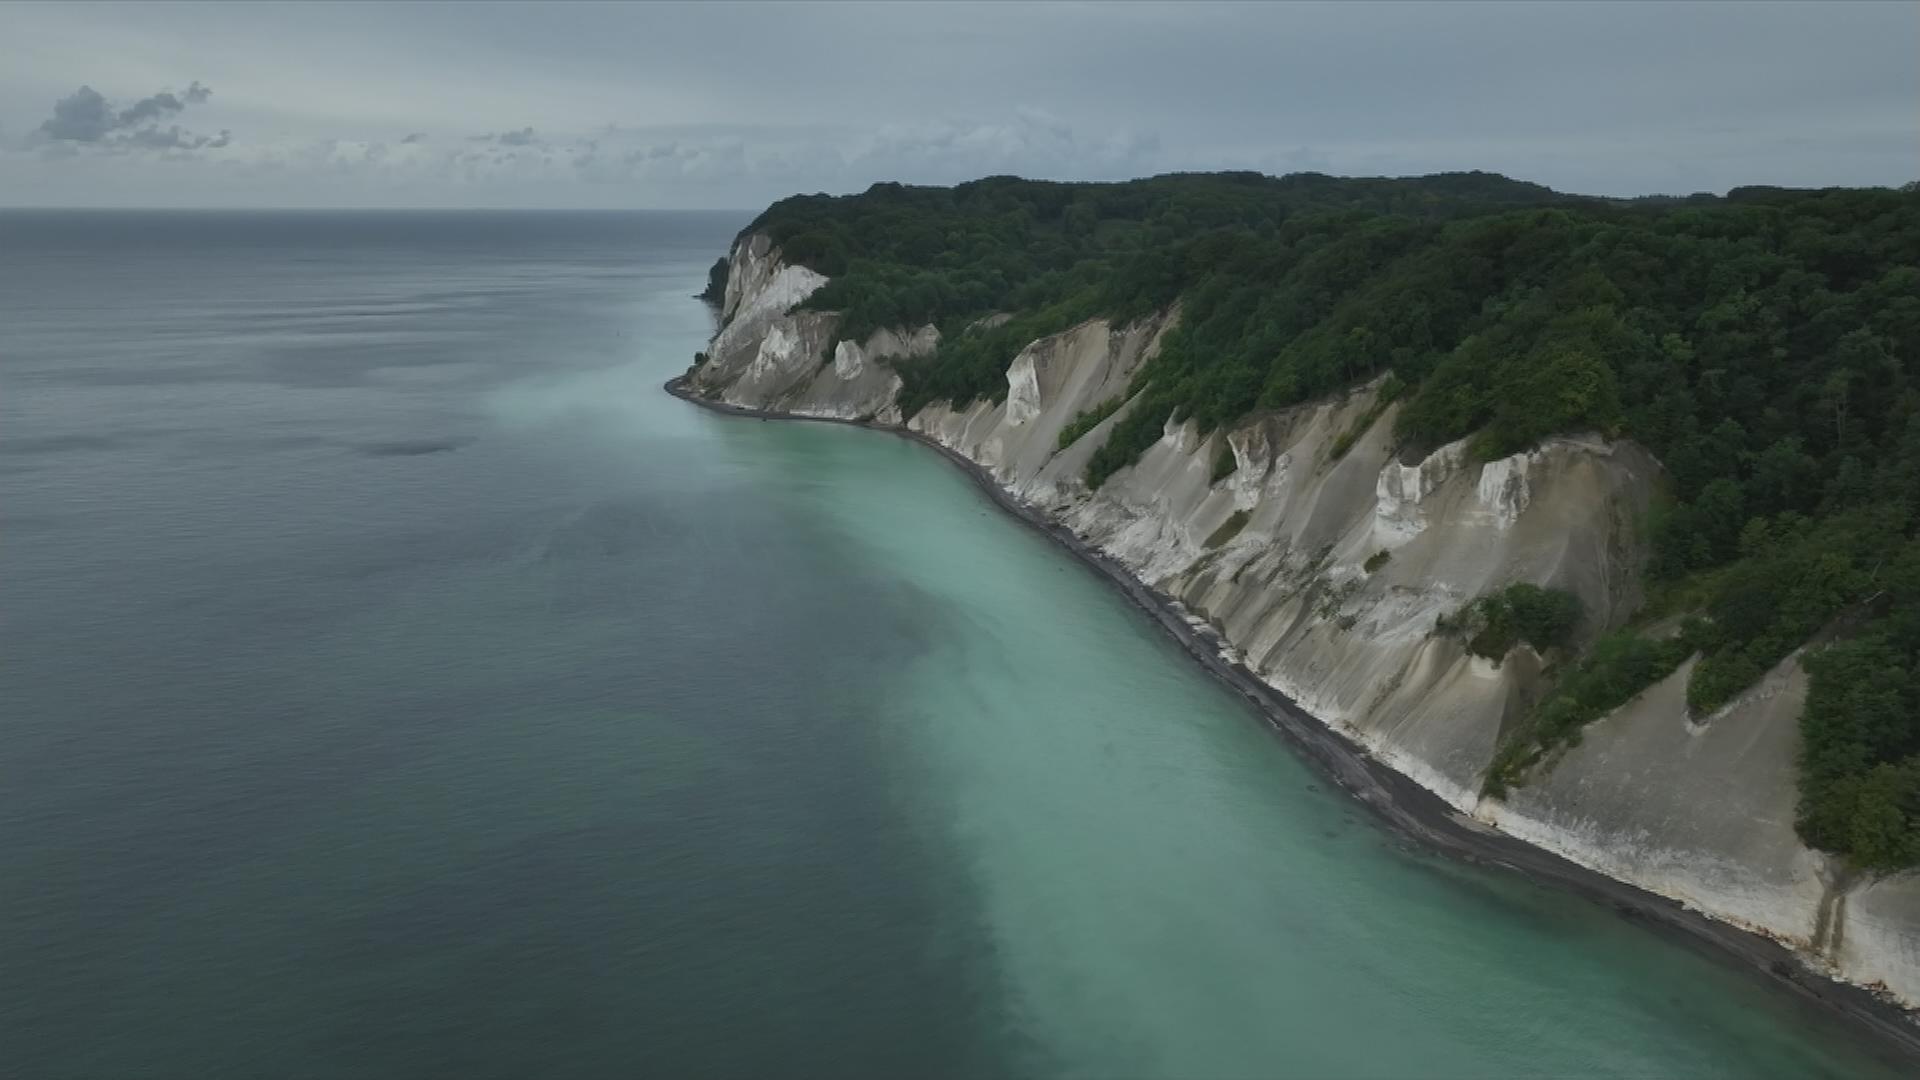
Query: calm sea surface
[393,682]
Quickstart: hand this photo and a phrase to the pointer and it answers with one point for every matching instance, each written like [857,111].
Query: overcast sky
[734,106]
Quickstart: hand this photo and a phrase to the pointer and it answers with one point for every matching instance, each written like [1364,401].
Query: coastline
[1411,811]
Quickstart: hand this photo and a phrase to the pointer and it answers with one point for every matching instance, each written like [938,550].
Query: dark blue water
[361,644]
[394,683]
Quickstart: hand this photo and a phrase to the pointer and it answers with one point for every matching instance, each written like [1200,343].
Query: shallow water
[395,682]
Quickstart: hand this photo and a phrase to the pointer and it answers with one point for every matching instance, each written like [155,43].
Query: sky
[735,105]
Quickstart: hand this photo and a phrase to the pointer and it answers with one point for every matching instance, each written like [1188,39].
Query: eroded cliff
[1324,561]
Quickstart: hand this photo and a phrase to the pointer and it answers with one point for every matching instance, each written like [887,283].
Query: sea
[394,682]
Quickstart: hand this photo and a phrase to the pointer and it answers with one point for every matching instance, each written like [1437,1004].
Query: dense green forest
[1762,345]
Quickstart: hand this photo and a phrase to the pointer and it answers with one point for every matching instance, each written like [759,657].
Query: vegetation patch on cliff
[1224,463]
[1228,529]
[1493,624]
[1087,421]
[1390,389]
[716,291]
[1620,665]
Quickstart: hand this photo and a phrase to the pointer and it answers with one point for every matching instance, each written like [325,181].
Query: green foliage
[1087,421]
[1376,560]
[1620,665]
[1139,429]
[1495,623]
[1860,755]
[1228,529]
[1795,577]
[907,256]
[1860,733]
[1390,389]
[716,290]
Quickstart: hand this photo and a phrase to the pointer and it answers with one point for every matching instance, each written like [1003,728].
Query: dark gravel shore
[1416,813]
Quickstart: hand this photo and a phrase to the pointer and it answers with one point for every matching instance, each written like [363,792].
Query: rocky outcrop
[771,355]
[1324,561]
[1050,383]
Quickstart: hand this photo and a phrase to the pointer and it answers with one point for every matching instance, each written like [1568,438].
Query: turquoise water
[397,683]
[1169,892]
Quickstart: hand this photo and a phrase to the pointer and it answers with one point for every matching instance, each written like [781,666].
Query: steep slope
[769,356]
[1325,562]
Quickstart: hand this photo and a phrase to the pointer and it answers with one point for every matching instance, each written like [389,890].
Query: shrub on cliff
[1493,624]
[1620,665]
[716,291]
[1088,420]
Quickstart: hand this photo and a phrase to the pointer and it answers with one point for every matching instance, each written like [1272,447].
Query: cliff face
[769,356]
[1275,556]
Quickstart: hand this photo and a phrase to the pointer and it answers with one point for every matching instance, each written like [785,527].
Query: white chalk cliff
[1275,557]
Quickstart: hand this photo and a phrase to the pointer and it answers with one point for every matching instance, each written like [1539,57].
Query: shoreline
[1412,811]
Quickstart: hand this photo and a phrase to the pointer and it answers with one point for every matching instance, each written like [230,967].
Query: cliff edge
[1324,561]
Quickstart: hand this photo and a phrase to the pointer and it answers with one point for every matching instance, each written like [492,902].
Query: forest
[1762,345]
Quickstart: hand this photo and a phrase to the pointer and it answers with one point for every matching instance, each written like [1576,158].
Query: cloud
[162,104]
[82,116]
[724,158]
[172,138]
[86,118]
[523,137]
[727,164]
[1030,142]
